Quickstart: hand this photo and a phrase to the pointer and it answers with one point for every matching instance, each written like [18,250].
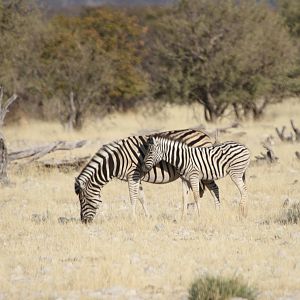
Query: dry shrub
[290,215]
[219,288]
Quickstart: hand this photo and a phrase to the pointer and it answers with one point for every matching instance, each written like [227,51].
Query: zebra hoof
[87,220]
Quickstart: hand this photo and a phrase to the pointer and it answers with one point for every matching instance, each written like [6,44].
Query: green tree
[74,69]
[92,61]
[20,28]
[290,10]
[221,54]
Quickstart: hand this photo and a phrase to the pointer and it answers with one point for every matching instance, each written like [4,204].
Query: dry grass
[155,258]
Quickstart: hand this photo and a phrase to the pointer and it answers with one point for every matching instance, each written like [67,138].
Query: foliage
[95,57]
[290,10]
[220,54]
[218,288]
[223,55]
[20,25]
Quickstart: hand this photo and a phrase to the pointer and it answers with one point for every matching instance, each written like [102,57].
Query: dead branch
[40,151]
[297,154]
[296,131]
[269,156]
[4,107]
[283,138]
[73,163]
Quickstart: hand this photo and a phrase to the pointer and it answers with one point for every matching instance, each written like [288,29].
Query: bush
[291,215]
[218,288]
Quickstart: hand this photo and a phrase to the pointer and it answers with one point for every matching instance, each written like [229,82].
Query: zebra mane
[166,138]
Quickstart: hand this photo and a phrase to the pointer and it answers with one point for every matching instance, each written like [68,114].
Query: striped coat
[194,164]
[122,159]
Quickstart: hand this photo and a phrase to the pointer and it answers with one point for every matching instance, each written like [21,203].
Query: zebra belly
[161,173]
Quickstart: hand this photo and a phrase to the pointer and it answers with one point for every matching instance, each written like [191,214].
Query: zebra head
[153,154]
[89,197]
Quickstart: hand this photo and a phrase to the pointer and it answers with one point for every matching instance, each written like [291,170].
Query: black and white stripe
[194,164]
[123,159]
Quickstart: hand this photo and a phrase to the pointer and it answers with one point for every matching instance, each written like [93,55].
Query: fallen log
[73,163]
[40,151]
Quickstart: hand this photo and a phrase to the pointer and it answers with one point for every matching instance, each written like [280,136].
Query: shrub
[218,288]
[291,215]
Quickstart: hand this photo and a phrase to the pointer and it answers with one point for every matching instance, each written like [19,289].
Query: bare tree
[3,149]
[268,157]
[294,135]
[296,131]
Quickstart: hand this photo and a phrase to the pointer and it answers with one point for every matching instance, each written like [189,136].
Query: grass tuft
[219,288]
[291,215]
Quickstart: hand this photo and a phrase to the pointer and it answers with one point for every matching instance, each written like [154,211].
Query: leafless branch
[282,136]
[269,156]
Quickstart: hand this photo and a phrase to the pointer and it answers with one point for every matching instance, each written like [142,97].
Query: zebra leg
[201,188]
[141,197]
[185,192]
[194,181]
[133,186]
[239,182]
[214,190]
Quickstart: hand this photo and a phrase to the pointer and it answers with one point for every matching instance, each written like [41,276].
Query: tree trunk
[3,161]
[210,112]
[210,115]
[75,117]
[237,111]
[3,150]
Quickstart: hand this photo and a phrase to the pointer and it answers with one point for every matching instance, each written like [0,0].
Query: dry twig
[269,156]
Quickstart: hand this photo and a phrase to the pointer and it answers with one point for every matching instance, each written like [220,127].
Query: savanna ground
[158,257]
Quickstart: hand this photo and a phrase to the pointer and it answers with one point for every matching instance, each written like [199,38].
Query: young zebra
[194,164]
[122,159]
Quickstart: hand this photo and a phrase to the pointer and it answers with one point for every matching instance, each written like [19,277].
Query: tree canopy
[221,54]
[226,55]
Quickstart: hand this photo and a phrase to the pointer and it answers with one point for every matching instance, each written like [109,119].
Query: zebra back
[120,158]
[214,162]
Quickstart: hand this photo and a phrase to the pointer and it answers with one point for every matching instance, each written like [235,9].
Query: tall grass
[219,288]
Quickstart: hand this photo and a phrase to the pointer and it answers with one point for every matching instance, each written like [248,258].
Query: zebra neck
[175,154]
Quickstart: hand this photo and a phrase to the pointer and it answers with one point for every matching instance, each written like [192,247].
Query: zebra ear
[150,140]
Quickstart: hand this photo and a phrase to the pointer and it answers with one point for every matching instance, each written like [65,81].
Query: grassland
[155,258]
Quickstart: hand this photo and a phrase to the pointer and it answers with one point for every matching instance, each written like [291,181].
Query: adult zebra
[194,164]
[122,159]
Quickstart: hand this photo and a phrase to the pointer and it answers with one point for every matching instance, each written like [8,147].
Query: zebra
[194,164]
[122,159]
